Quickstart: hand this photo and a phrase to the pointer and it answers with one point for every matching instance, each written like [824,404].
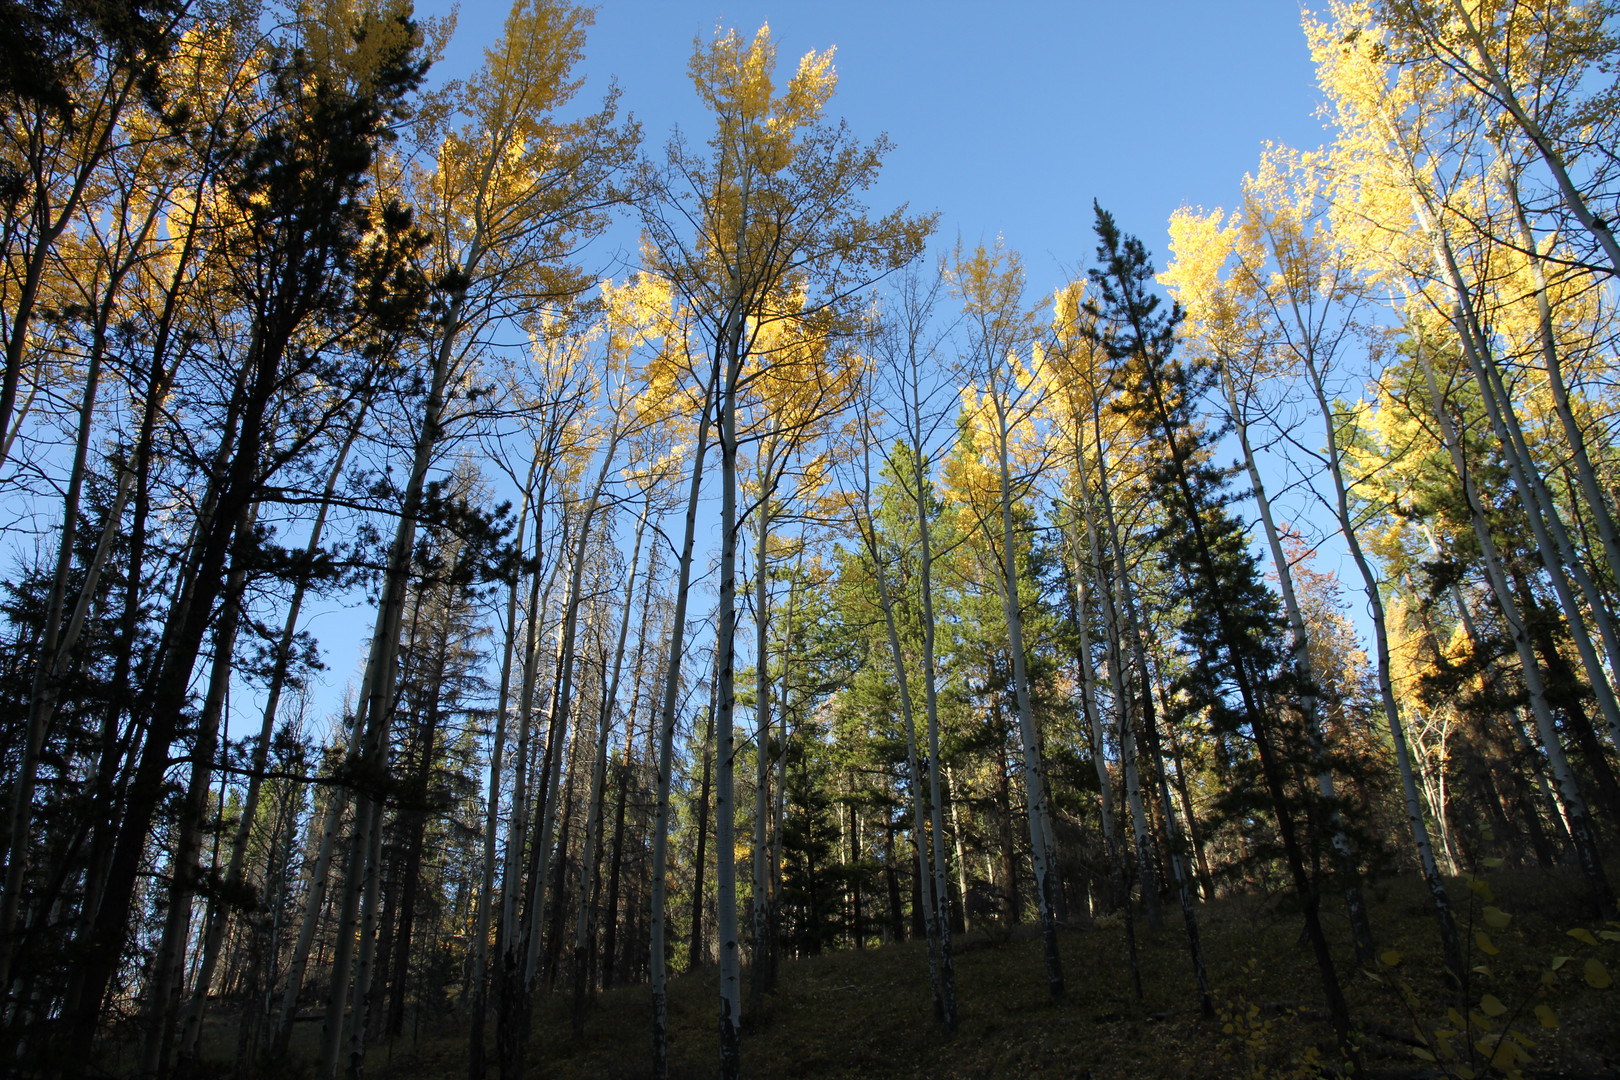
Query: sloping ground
[867,1014]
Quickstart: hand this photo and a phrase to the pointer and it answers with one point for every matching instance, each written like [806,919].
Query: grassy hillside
[867,1014]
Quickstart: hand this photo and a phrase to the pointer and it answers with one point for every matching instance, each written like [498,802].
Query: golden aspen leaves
[1597,976]
[1504,1052]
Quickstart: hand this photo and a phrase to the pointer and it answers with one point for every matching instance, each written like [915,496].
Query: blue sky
[1007,118]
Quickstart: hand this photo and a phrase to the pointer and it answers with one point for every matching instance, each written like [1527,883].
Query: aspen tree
[775,208]
[1539,67]
[1382,125]
[1393,125]
[1271,218]
[1572,802]
[56,145]
[1075,402]
[148,219]
[944,1008]
[658,469]
[617,391]
[696,954]
[512,1018]
[165,985]
[1552,346]
[799,391]
[584,934]
[513,194]
[1552,538]
[135,213]
[908,356]
[1121,607]
[552,395]
[999,333]
[478,973]
[647,315]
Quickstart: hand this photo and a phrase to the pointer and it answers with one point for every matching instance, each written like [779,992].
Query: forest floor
[867,1013]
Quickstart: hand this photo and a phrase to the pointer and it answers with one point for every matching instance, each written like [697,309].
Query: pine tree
[1233,627]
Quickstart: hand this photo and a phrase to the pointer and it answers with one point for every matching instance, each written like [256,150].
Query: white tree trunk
[1042,853]
[1418,826]
[583,928]
[1305,674]
[1574,805]
[658,964]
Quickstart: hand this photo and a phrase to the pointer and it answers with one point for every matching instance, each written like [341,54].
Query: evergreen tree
[1233,626]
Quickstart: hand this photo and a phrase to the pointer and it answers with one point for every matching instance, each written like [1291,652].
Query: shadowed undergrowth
[867,1013]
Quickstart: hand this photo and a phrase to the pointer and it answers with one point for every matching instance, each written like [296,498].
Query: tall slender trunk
[1172,830]
[1042,856]
[610,937]
[555,902]
[1114,662]
[383,661]
[1450,944]
[593,814]
[512,1011]
[166,983]
[1206,877]
[695,951]
[1585,473]
[57,643]
[1231,640]
[1551,538]
[414,822]
[611,952]
[362,999]
[1305,676]
[725,659]
[478,967]
[1573,803]
[231,492]
[1147,871]
[1548,531]
[218,915]
[656,960]
[1503,91]
[1091,716]
[925,569]
[561,714]
[49,667]
[319,878]
[117,847]
[961,854]
[50,223]
[761,973]
[925,886]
